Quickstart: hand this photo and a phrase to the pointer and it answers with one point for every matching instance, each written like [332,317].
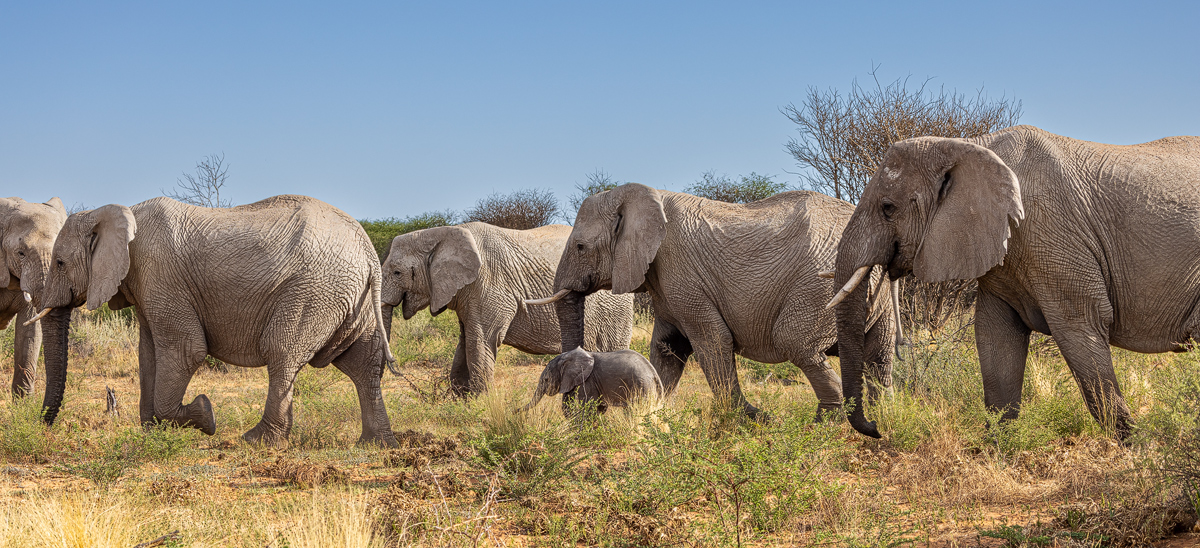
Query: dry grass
[680,473]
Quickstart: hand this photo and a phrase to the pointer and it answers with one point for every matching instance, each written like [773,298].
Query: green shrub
[382,231]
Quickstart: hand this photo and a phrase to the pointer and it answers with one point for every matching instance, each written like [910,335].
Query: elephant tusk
[825,274]
[40,315]
[547,300]
[28,297]
[850,286]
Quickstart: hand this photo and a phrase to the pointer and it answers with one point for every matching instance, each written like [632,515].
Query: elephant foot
[266,435]
[201,412]
[22,385]
[828,412]
[386,440]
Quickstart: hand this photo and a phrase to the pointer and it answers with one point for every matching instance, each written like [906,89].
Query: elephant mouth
[404,308]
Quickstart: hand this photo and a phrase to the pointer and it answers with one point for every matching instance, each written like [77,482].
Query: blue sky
[392,109]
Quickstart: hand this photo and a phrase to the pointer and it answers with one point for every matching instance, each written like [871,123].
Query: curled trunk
[55,327]
[570,320]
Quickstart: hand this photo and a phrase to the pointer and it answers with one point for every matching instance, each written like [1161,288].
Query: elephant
[485,273]
[723,278]
[282,282]
[1092,244]
[27,233]
[601,378]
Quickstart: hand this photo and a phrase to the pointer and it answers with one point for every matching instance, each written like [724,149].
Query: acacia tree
[842,140]
[521,210]
[204,187]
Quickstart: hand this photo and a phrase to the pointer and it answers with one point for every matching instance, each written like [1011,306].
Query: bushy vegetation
[594,183]
[743,190]
[382,231]
[519,210]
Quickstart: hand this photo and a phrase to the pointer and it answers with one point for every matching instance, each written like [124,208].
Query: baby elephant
[608,378]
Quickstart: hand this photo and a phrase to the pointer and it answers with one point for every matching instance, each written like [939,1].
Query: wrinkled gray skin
[484,274]
[282,282]
[607,378]
[27,233]
[1093,244]
[724,279]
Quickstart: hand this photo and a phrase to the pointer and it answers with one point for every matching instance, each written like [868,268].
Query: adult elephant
[27,233]
[1093,244]
[484,274]
[723,278]
[282,282]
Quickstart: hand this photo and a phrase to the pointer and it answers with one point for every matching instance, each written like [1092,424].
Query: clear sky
[392,109]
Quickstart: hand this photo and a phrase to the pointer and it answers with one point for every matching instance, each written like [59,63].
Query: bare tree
[521,210]
[595,182]
[204,187]
[745,189]
[843,138]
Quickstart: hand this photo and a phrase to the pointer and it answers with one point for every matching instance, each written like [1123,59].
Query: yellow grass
[939,476]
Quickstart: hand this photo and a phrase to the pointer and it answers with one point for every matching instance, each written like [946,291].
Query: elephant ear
[968,231]
[7,208]
[577,366]
[454,262]
[56,204]
[639,227]
[113,229]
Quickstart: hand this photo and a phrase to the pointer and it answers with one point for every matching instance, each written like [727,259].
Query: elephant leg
[480,347]
[879,354]
[146,373]
[27,343]
[1089,357]
[173,370]
[460,376]
[714,352]
[276,422]
[364,364]
[669,352]
[825,382]
[1002,340]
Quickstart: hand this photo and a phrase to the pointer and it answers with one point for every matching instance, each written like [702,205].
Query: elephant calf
[607,378]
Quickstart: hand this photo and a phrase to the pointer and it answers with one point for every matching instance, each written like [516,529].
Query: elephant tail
[382,330]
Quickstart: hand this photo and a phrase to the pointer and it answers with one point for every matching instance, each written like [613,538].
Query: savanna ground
[475,473]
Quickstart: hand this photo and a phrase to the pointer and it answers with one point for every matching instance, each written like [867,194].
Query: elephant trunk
[537,396]
[570,320]
[387,320]
[55,327]
[857,249]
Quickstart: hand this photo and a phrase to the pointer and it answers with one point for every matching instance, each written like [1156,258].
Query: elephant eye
[60,262]
[396,272]
[888,209]
[21,253]
[579,247]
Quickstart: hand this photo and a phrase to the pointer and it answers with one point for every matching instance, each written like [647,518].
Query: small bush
[746,189]
[23,435]
[596,182]
[520,210]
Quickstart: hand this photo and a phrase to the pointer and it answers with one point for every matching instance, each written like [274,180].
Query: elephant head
[90,259]
[563,374]
[427,268]
[616,236]
[937,208]
[27,234]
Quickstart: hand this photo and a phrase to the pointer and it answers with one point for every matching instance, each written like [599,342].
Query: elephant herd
[1092,244]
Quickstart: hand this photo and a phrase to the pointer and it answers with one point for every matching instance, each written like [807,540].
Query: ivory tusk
[28,297]
[547,300]
[856,279]
[40,315]
[825,274]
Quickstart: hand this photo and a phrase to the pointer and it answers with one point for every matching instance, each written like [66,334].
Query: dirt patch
[421,449]
[300,473]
